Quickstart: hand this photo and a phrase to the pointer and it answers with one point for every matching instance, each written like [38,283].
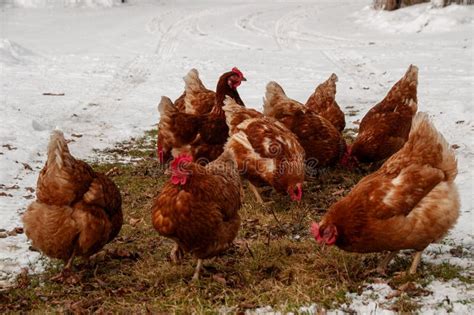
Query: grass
[274,261]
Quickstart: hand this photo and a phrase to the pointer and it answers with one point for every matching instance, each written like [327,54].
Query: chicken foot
[176,254]
[197,270]
[66,275]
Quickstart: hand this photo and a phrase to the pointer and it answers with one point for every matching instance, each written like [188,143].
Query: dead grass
[274,260]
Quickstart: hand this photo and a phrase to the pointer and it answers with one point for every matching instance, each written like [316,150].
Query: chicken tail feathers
[405,90]
[273,93]
[411,75]
[58,151]
[423,133]
[328,87]
[192,82]
[166,106]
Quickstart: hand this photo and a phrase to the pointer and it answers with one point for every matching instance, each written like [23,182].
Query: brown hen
[385,128]
[322,142]
[267,153]
[202,136]
[323,102]
[196,99]
[410,202]
[77,211]
[189,211]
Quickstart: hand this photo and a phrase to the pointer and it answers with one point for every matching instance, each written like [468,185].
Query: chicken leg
[66,272]
[256,193]
[176,254]
[415,263]
[197,270]
[382,267]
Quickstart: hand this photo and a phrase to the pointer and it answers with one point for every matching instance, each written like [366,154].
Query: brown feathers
[385,127]
[322,142]
[267,153]
[410,202]
[200,220]
[76,210]
[323,102]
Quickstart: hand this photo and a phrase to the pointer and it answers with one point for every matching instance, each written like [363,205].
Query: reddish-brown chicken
[77,211]
[203,136]
[322,142]
[190,212]
[410,202]
[196,99]
[385,127]
[267,153]
[323,102]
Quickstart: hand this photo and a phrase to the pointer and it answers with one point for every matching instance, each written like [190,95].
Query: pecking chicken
[189,211]
[202,136]
[323,102]
[385,128]
[322,142]
[77,211]
[267,153]
[410,202]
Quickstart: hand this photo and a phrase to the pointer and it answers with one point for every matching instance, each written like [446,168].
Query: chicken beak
[243,79]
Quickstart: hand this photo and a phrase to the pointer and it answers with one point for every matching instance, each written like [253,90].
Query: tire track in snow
[194,29]
[247,23]
[287,31]
[137,71]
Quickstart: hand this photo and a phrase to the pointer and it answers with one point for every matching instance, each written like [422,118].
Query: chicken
[267,153]
[385,127]
[196,99]
[202,136]
[410,202]
[76,212]
[323,102]
[189,211]
[322,142]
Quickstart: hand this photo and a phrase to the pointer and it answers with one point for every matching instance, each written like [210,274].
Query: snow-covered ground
[113,61]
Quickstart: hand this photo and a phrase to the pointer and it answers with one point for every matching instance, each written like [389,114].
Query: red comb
[238,72]
[182,158]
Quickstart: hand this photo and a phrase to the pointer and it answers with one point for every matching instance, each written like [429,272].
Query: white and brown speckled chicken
[267,153]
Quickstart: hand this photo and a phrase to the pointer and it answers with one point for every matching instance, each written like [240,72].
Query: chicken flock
[213,144]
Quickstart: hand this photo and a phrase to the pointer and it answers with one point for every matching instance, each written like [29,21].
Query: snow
[113,62]
[59,3]
[418,19]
